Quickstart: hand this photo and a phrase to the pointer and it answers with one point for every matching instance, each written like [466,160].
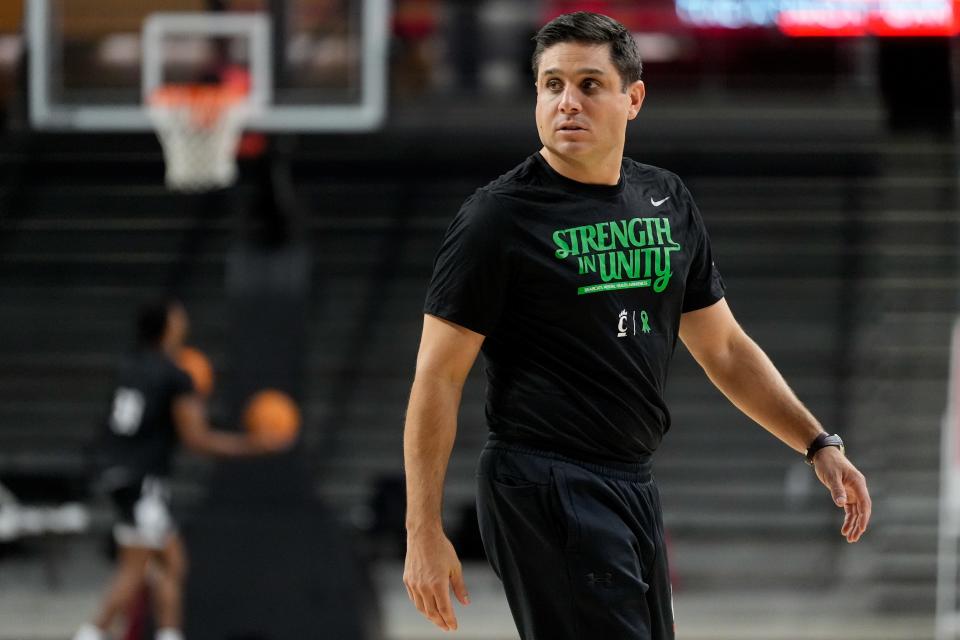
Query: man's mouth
[570,127]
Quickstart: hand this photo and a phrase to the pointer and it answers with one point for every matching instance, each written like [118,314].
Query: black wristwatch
[821,441]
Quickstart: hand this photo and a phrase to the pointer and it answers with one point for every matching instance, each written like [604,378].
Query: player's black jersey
[139,433]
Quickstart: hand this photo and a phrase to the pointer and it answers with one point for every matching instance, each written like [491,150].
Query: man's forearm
[748,378]
[226,445]
[428,436]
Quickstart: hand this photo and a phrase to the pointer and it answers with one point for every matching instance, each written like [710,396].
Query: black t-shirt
[578,289]
[139,436]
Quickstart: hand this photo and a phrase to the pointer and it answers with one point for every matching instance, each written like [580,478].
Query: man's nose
[570,101]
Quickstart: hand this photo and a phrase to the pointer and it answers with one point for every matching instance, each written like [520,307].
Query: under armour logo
[600,578]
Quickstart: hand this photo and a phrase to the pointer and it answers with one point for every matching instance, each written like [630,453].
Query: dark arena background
[817,139]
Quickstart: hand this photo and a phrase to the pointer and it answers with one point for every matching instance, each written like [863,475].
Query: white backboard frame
[255,27]
[367,115]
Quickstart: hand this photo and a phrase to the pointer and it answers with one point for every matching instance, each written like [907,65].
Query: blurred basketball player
[154,407]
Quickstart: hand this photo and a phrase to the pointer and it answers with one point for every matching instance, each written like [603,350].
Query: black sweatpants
[578,545]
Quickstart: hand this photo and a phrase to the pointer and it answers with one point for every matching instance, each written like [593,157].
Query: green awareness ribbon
[646,325]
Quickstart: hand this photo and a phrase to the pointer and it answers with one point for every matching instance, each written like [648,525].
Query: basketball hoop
[199,127]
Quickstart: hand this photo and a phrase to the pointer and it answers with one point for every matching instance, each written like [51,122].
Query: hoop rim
[195,95]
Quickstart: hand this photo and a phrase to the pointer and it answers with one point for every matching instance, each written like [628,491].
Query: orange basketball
[198,366]
[272,416]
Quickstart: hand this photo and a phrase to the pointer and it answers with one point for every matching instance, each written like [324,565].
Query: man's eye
[590,84]
[553,85]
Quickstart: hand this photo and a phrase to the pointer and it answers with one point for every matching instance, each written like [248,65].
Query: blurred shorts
[143,513]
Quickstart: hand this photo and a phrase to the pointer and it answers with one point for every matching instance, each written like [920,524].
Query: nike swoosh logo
[657,203]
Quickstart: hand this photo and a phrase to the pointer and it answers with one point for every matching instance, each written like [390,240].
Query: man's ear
[637,91]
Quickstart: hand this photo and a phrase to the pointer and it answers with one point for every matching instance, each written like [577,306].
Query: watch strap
[821,441]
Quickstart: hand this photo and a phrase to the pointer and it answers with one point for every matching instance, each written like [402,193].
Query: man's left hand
[848,488]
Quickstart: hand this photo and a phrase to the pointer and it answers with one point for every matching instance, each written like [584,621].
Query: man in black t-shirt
[154,407]
[575,273]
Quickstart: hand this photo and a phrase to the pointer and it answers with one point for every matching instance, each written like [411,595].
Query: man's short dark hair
[152,320]
[592,28]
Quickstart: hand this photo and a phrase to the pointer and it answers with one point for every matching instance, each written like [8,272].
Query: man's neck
[604,172]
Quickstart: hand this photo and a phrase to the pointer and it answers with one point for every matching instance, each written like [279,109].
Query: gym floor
[47,595]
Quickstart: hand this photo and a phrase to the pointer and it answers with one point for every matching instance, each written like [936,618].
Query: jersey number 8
[127,411]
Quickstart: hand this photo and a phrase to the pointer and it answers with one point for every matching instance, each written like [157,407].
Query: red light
[813,23]
[920,21]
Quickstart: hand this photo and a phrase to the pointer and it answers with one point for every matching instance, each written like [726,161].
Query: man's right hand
[430,570]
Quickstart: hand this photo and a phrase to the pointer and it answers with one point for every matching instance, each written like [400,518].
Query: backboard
[315,65]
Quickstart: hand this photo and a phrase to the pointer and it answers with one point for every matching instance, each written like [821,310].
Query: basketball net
[199,127]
